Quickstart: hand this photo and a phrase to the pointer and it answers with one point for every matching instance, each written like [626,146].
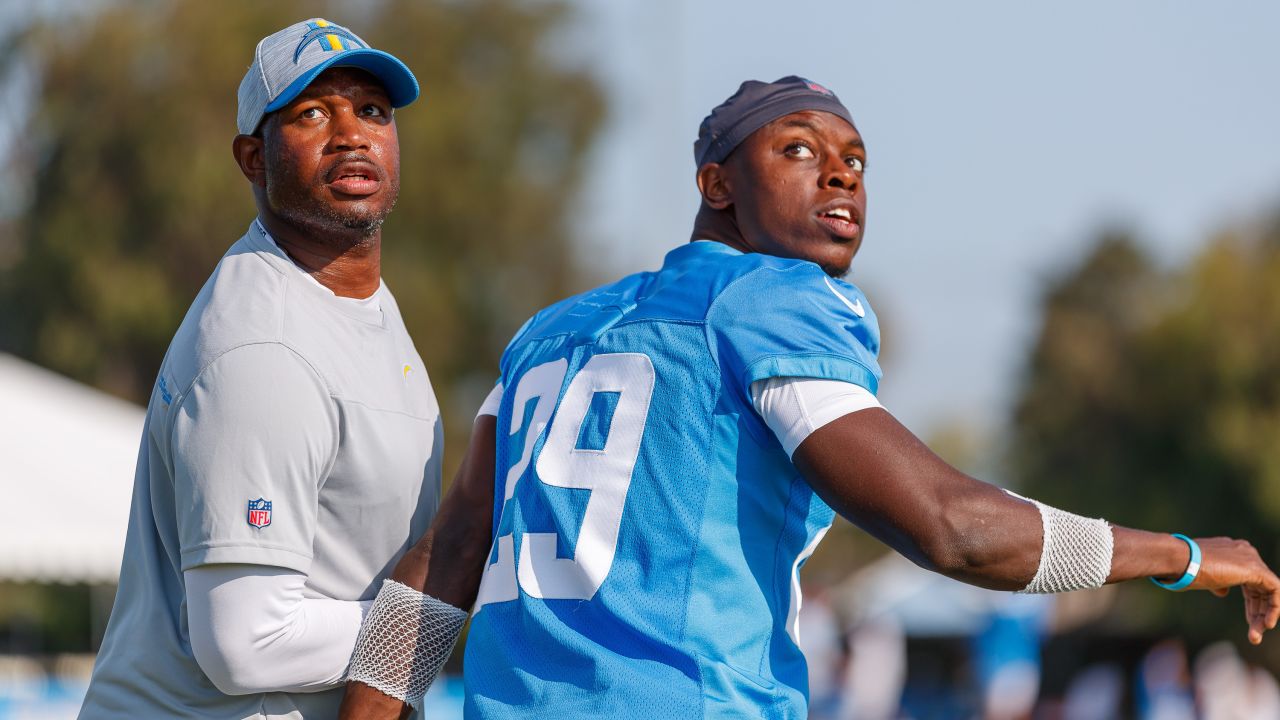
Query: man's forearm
[448,562]
[1140,554]
[453,577]
[452,555]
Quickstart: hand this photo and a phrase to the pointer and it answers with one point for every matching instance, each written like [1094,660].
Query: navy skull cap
[755,105]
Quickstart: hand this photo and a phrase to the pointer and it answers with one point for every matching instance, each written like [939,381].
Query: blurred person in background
[1164,684]
[1227,688]
[819,636]
[876,673]
[292,443]
[1096,693]
[1006,655]
[661,455]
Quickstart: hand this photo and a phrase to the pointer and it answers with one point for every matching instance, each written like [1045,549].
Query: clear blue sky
[1002,137]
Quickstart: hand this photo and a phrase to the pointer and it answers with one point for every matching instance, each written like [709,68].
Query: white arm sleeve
[491,402]
[794,407]
[253,630]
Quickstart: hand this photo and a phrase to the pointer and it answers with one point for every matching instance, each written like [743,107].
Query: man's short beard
[293,205]
[323,218]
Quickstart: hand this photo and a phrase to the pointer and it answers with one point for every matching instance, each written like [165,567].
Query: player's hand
[1226,563]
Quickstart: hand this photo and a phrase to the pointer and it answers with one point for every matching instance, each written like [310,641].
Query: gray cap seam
[262,70]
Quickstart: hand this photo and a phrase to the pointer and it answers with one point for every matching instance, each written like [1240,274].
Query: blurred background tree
[1153,399]
[132,194]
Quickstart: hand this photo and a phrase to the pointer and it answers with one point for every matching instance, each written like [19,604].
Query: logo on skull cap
[817,88]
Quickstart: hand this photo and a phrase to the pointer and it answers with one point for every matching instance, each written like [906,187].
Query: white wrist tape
[1076,553]
[405,639]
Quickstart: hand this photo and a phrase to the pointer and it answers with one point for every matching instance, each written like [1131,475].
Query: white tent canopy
[67,457]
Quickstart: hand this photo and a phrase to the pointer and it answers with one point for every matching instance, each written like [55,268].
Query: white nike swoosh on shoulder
[855,306]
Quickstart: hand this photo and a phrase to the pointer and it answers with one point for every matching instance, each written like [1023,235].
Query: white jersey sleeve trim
[253,630]
[794,407]
[491,402]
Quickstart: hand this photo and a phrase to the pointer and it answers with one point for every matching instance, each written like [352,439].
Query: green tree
[1153,399]
[134,194]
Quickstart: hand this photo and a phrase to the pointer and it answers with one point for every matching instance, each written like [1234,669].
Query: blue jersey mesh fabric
[648,526]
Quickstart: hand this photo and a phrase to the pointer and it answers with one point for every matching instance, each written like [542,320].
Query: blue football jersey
[649,528]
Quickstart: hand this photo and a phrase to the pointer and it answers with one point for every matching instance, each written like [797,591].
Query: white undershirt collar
[373,302]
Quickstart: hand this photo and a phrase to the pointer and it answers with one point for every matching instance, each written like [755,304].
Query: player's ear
[713,183]
[249,154]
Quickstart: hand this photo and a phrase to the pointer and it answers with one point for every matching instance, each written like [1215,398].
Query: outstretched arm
[876,473]
[447,563]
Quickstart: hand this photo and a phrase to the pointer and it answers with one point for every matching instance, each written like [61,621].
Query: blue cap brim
[401,85]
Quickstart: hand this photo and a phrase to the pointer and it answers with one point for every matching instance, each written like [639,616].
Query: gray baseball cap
[286,62]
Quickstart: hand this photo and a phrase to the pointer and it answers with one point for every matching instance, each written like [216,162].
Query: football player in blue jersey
[661,455]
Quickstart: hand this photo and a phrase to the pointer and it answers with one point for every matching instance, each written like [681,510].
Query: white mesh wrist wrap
[403,642]
[1076,553]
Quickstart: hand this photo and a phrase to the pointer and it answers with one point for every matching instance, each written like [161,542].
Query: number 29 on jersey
[624,380]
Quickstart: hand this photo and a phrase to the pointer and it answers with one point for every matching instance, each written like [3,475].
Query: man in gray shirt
[292,443]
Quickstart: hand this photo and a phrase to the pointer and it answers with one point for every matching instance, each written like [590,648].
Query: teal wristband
[1193,567]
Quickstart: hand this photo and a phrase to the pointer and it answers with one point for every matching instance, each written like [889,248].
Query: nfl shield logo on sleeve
[259,513]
